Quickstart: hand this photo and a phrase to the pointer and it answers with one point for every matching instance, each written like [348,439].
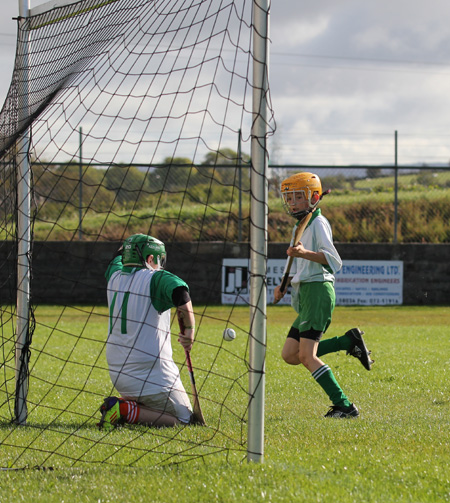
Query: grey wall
[72,272]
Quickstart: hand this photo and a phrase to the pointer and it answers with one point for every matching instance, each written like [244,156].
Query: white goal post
[258,233]
[24,245]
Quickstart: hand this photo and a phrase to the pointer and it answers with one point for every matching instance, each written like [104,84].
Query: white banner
[235,280]
[359,282]
[369,282]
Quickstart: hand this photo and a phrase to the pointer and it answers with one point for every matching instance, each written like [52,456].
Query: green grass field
[398,450]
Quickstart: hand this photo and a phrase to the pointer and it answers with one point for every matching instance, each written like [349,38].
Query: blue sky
[344,76]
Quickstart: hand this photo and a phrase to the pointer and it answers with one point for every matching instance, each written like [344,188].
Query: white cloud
[372,68]
[295,32]
[347,68]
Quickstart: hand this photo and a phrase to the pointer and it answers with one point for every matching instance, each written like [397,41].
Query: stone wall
[73,272]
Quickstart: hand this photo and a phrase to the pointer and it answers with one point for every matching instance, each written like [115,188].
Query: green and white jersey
[139,348]
[317,237]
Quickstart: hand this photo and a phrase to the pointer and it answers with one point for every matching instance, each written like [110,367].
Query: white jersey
[139,349]
[317,237]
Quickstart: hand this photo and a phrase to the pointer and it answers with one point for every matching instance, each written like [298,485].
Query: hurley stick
[197,416]
[297,237]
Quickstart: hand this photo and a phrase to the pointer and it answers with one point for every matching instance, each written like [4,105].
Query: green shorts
[316,305]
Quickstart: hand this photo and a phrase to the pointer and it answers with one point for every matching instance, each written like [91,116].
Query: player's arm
[185,313]
[115,264]
[326,253]
[278,294]
[299,251]
[169,291]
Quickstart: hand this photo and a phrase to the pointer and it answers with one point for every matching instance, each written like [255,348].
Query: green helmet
[138,247]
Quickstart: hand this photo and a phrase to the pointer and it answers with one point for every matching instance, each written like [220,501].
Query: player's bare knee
[305,359]
[290,358]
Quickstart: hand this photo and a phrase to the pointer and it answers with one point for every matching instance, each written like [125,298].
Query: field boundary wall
[73,272]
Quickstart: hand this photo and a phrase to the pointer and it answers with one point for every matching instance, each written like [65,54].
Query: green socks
[334,344]
[324,376]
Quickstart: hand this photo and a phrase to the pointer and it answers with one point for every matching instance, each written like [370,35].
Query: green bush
[202,203]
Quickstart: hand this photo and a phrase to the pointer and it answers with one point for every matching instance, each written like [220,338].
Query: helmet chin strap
[159,267]
[158,263]
[300,215]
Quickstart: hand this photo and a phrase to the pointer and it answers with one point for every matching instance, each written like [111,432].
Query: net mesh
[140,115]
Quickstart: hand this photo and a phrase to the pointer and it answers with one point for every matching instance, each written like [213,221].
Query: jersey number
[123,310]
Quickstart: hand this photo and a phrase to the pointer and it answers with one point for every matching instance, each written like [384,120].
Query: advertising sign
[359,282]
[235,280]
[369,282]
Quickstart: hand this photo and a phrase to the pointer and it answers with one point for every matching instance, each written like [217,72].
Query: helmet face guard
[137,248]
[301,186]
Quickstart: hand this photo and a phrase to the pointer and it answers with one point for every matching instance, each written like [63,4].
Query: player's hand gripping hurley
[197,416]
[298,236]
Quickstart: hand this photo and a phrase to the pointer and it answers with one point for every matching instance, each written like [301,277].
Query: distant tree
[222,156]
[334,182]
[425,177]
[59,187]
[218,159]
[373,172]
[175,173]
[125,181]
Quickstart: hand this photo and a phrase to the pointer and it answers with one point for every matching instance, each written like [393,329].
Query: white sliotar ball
[229,334]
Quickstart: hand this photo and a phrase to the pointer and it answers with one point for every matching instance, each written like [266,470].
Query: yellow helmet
[306,183]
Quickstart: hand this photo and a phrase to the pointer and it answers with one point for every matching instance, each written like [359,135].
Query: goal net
[125,117]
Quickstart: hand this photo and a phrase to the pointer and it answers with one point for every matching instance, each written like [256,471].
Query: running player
[313,296]
[139,350]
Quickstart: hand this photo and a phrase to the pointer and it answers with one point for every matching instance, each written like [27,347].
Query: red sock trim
[130,411]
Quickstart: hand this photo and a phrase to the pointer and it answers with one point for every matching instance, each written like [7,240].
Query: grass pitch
[398,450]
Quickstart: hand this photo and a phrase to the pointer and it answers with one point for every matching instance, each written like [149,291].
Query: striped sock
[324,376]
[129,410]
